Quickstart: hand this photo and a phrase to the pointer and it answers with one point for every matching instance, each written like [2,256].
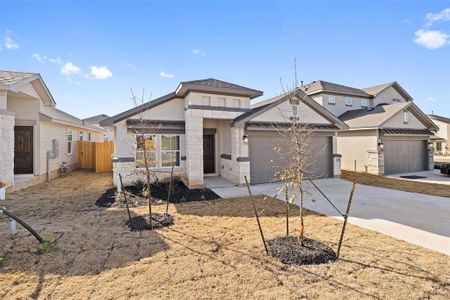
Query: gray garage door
[404,156]
[265,162]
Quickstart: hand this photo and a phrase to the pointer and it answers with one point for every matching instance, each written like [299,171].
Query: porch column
[337,158]
[7,147]
[194,148]
[239,156]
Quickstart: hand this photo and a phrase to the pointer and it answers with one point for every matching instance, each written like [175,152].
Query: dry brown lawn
[399,184]
[213,251]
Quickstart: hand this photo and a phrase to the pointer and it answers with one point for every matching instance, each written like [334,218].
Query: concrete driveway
[418,219]
[434,176]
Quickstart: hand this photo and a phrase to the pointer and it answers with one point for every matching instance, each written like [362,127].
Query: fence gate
[95,156]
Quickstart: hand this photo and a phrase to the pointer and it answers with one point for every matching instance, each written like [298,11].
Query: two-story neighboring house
[387,132]
[442,137]
[209,128]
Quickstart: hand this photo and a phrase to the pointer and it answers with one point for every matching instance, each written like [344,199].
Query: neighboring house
[208,127]
[442,138]
[31,126]
[388,133]
[95,120]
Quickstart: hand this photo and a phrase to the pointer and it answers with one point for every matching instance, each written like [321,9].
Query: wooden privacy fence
[95,156]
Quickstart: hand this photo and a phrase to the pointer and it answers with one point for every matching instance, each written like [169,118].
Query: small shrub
[140,185]
[2,259]
[50,245]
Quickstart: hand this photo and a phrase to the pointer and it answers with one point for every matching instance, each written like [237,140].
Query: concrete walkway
[419,219]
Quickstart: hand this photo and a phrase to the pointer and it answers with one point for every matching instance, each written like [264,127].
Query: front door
[23,150]
[208,154]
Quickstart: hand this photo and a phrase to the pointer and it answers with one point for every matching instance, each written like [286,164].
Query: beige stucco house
[210,128]
[387,132]
[442,137]
[32,129]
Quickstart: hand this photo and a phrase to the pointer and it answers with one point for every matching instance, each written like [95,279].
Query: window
[80,136]
[222,102]
[170,150]
[364,103]
[69,141]
[332,99]
[439,146]
[395,100]
[348,101]
[295,110]
[149,142]
[236,103]
[206,100]
[89,136]
[405,117]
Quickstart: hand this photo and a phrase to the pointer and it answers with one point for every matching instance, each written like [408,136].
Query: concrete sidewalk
[419,219]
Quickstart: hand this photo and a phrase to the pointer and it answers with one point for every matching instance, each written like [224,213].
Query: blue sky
[91,53]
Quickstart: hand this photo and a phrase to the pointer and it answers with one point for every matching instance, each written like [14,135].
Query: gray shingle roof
[439,118]
[212,82]
[12,77]
[58,115]
[95,119]
[362,118]
[373,90]
[329,87]
[216,86]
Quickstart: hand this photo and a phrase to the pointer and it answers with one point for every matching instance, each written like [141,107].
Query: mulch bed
[180,192]
[312,252]
[107,199]
[140,223]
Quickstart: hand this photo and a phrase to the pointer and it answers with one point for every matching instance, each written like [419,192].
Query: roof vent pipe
[301,83]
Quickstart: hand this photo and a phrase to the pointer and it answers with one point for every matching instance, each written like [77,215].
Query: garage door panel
[266,162]
[403,156]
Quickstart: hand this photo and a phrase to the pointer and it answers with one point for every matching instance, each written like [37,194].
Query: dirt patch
[180,192]
[398,184]
[212,251]
[141,223]
[310,252]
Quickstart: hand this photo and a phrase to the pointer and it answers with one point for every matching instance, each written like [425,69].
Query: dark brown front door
[208,154]
[23,150]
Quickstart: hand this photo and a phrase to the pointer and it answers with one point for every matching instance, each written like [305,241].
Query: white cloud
[198,52]
[431,39]
[38,57]
[69,69]
[10,41]
[431,99]
[166,75]
[100,72]
[56,60]
[443,15]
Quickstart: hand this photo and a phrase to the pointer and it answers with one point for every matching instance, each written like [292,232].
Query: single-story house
[36,138]
[387,132]
[442,137]
[108,136]
[209,128]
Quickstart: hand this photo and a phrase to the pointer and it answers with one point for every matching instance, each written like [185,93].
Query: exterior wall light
[380,145]
[245,138]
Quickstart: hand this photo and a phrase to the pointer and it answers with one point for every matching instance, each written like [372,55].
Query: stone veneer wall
[7,147]
[431,159]
[375,162]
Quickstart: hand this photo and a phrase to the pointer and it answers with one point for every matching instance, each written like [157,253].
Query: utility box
[55,148]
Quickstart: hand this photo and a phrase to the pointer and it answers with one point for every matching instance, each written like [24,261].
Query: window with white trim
[439,146]
[80,136]
[69,141]
[170,150]
[332,99]
[348,101]
[89,136]
[236,103]
[295,110]
[396,100]
[222,102]
[405,116]
[364,103]
[206,100]
[146,144]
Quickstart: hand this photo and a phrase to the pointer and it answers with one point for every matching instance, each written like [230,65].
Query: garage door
[265,162]
[404,156]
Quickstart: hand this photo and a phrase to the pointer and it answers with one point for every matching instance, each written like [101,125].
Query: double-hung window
[348,101]
[81,136]
[405,116]
[89,136]
[364,103]
[170,150]
[69,141]
[145,144]
[332,99]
